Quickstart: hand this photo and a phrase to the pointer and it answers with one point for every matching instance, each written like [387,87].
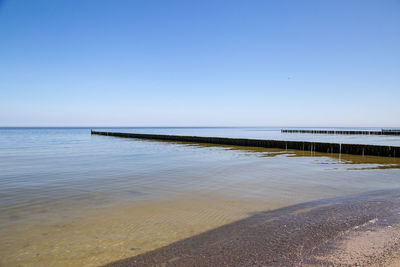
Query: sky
[200,63]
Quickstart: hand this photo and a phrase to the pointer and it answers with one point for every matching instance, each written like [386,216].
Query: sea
[69,198]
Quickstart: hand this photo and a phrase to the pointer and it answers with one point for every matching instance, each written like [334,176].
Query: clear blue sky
[200,63]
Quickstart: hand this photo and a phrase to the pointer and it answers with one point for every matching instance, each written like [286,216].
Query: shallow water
[68,198]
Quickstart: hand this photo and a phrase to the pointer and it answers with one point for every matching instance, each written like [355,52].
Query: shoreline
[361,229]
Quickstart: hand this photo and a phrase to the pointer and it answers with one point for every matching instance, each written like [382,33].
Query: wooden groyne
[355,149]
[382,132]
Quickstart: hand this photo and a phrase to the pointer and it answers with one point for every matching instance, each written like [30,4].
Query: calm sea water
[68,198]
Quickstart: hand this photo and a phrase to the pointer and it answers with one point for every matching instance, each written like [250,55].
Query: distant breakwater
[382,132]
[355,149]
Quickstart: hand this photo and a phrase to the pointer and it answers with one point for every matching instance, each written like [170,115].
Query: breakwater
[355,149]
[382,132]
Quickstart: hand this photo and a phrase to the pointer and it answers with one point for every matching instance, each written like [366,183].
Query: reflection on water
[365,162]
[68,198]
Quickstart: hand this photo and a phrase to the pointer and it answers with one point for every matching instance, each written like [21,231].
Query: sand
[361,230]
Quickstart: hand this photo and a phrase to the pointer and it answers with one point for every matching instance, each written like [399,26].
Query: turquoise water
[62,189]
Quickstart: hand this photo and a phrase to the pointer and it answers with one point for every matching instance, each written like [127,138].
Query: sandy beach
[199,133]
[361,230]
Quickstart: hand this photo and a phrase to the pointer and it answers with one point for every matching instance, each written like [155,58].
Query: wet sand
[359,230]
